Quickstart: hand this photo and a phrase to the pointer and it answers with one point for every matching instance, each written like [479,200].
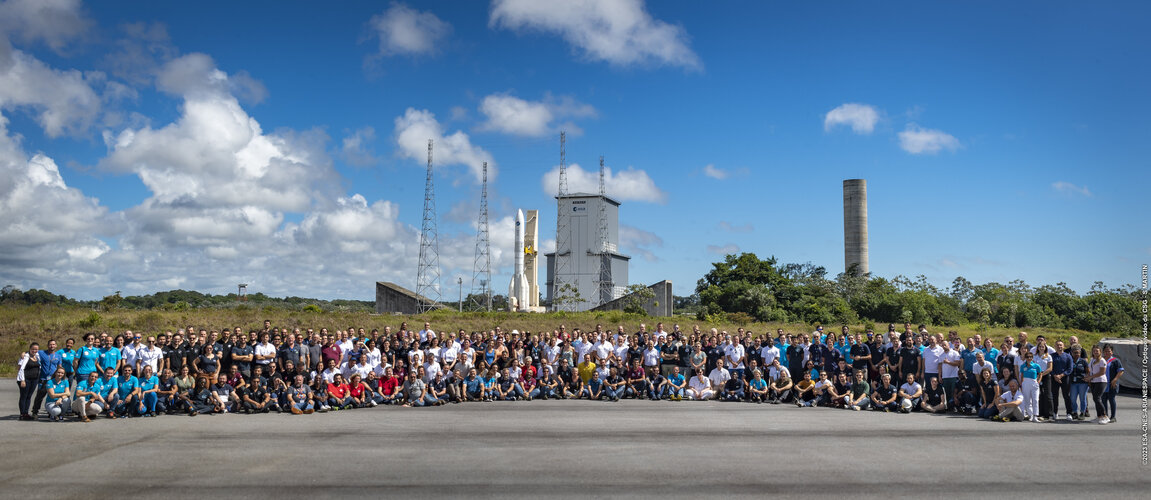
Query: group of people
[196,371]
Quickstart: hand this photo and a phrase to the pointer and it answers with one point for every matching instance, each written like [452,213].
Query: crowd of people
[196,371]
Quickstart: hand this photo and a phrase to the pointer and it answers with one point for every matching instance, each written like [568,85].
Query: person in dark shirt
[934,399]
[242,356]
[966,394]
[884,397]
[734,389]
[910,361]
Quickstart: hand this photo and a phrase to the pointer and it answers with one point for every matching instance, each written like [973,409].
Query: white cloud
[860,117]
[636,241]
[1071,189]
[55,22]
[714,172]
[727,226]
[357,147]
[918,140]
[728,249]
[417,126]
[48,231]
[626,185]
[63,101]
[403,30]
[511,115]
[620,32]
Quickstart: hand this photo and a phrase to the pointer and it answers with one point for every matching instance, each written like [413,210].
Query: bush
[91,321]
[312,308]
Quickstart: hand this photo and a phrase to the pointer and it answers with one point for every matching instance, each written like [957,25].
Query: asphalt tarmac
[571,449]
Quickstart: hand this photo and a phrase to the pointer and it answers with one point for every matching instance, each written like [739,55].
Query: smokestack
[855,225]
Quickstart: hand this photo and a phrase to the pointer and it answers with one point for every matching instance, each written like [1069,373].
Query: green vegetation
[802,293]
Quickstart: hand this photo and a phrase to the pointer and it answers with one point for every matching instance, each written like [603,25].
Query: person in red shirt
[360,393]
[388,387]
[528,371]
[338,397]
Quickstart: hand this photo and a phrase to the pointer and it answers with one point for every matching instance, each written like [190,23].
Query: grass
[20,325]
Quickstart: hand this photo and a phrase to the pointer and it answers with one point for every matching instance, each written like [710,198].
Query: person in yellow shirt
[586,368]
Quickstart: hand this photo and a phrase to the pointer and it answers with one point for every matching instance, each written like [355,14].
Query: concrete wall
[660,305]
[393,298]
[855,225]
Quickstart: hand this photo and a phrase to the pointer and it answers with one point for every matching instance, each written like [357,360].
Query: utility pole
[460,281]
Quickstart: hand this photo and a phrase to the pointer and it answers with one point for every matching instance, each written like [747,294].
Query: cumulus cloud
[54,22]
[1071,189]
[511,115]
[631,184]
[403,30]
[918,140]
[728,249]
[860,117]
[636,241]
[729,227]
[418,125]
[357,147]
[62,101]
[49,230]
[620,32]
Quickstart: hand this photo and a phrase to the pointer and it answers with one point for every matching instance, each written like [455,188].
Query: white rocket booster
[518,288]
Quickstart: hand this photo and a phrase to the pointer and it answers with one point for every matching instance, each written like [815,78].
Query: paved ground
[570,449]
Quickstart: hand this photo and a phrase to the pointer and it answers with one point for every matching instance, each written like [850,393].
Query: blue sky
[158,145]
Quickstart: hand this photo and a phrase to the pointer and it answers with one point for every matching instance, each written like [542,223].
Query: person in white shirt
[735,355]
[932,358]
[949,365]
[373,355]
[769,353]
[331,371]
[699,388]
[431,369]
[981,363]
[719,375]
[427,331]
[603,351]
[910,394]
[776,369]
[265,352]
[128,353]
[150,355]
[1009,402]
[651,357]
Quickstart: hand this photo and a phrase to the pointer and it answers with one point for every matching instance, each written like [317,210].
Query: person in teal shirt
[758,387]
[109,356]
[57,390]
[68,361]
[149,391]
[88,401]
[87,358]
[109,391]
[676,384]
[128,387]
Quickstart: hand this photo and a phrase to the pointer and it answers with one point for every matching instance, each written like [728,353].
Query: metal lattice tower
[428,273]
[604,281]
[563,238]
[482,268]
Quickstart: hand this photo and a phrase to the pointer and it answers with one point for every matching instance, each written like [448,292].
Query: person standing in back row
[28,378]
[1114,372]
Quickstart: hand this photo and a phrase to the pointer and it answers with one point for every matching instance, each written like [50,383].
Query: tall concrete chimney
[855,225]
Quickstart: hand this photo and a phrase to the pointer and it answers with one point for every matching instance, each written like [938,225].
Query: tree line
[769,291]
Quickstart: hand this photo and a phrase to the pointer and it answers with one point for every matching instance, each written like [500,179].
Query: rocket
[518,291]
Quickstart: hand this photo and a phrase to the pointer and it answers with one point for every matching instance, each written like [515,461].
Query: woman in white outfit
[1029,372]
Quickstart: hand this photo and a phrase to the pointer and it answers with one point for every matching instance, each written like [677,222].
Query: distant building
[392,298]
[582,269]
